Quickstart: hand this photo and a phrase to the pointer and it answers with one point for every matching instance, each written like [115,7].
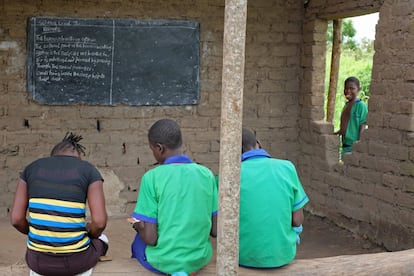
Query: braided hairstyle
[70,141]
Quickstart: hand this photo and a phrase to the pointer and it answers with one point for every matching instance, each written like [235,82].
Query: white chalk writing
[59,57]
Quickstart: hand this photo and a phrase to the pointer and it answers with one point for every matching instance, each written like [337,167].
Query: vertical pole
[230,136]
[333,77]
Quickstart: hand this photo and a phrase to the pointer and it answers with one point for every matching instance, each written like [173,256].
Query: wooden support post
[230,136]
[333,77]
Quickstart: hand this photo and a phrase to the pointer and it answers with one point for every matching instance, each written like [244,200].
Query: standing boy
[54,190]
[353,116]
[176,207]
[271,202]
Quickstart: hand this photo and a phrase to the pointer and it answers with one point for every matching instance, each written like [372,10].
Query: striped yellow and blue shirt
[57,226]
[58,187]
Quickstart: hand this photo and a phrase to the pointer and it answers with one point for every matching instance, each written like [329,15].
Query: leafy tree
[348,34]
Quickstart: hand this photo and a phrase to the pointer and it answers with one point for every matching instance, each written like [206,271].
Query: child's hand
[132,220]
[136,224]
[298,230]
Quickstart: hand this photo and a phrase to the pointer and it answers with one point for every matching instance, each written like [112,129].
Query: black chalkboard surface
[110,61]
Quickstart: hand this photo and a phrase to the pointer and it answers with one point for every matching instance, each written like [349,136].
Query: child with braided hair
[70,140]
[54,190]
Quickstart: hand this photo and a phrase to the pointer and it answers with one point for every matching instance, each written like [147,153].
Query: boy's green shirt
[358,117]
[181,199]
[270,190]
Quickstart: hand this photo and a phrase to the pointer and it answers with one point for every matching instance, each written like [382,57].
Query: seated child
[271,207]
[176,209]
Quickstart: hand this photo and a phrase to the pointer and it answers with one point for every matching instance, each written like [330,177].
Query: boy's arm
[362,128]
[20,203]
[362,112]
[213,231]
[148,232]
[297,217]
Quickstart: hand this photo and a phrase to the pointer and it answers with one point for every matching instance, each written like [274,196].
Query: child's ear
[160,148]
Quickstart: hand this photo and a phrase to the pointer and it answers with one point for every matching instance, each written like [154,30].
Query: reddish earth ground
[320,238]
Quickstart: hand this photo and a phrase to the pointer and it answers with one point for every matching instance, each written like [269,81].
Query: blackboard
[111,61]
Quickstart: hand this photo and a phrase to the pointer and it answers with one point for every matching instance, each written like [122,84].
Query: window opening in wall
[351,54]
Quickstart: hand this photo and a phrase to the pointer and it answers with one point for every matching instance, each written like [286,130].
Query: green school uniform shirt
[180,199]
[358,117]
[270,191]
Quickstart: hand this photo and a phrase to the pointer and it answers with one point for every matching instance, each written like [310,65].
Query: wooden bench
[387,263]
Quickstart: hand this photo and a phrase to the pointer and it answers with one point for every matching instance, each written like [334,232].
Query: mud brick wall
[372,193]
[120,148]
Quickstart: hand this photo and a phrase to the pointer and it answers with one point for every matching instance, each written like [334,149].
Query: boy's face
[351,90]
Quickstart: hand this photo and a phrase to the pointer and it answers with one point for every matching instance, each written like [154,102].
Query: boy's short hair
[165,132]
[248,140]
[354,80]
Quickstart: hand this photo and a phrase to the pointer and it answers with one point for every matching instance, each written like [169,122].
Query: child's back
[179,200]
[186,196]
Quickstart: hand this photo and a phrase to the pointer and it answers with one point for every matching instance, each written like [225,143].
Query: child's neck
[170,152]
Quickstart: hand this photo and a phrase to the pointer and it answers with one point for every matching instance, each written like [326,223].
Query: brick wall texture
[372,193]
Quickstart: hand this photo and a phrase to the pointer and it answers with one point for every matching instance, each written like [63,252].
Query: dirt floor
[320,238]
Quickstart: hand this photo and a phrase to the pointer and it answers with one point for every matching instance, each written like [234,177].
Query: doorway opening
[350,52]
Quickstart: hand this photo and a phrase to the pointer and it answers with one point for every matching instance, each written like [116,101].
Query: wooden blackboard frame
[113,61]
